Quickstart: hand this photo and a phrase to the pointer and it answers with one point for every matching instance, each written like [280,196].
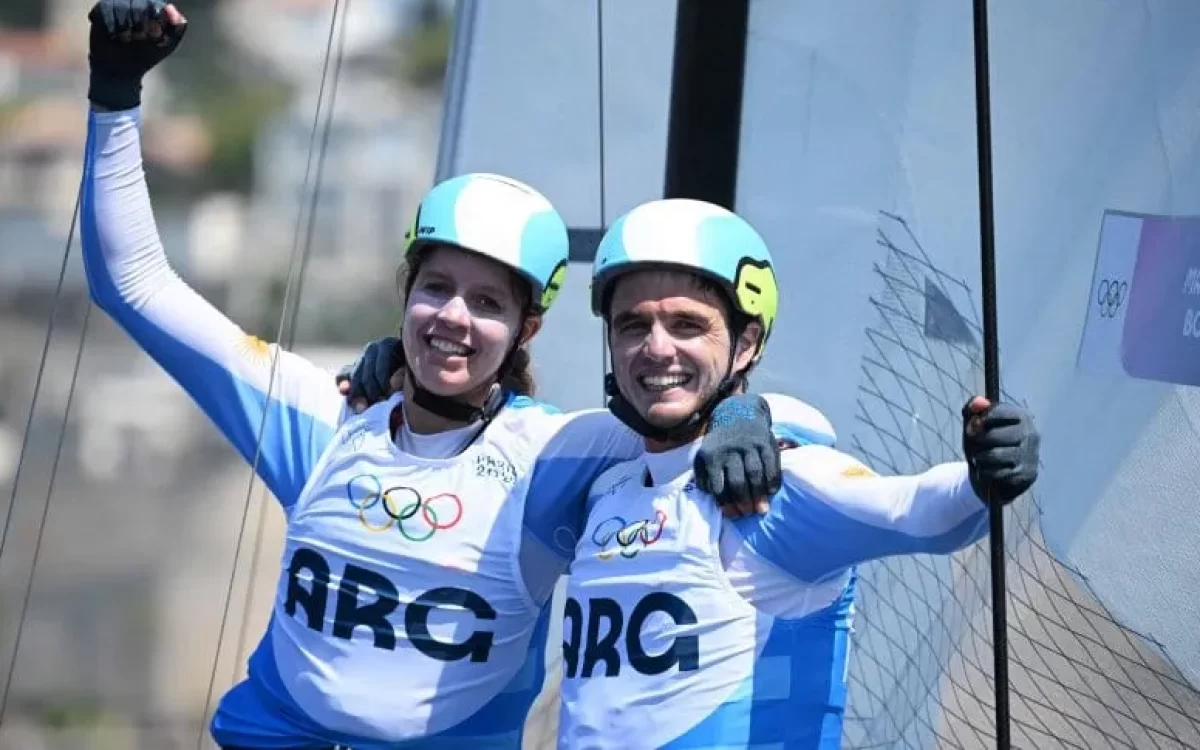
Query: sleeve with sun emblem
[834,513]
[277,409]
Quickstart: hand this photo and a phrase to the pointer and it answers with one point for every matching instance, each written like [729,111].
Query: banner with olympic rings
[1143,307]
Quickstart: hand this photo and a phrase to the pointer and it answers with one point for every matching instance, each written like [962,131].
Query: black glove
[1002,448]
[370,373]
[118,58]
[738,461]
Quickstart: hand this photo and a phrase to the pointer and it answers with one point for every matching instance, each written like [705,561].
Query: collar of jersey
[390,424]
[434,445]
[670,467]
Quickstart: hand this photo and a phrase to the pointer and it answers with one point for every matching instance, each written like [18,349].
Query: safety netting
[921,671]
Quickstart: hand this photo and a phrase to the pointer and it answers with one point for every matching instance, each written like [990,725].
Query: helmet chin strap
[683,432]
[448,407]
[457,410]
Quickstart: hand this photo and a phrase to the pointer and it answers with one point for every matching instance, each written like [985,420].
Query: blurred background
[856,160]
[147,500]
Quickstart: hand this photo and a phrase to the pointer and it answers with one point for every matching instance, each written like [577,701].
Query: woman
[425,534]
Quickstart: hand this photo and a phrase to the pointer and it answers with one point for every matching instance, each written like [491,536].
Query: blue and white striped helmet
[502,219]
[694,236]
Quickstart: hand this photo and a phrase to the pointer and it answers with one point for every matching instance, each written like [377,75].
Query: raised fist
[128,38]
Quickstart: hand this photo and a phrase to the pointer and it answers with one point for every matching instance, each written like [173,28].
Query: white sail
[858,163]
[851,111]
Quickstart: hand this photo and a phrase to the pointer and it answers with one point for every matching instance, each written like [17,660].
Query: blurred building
[146,500]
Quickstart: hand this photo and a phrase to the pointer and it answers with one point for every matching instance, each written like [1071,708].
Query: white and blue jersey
[684,629]
[411,606]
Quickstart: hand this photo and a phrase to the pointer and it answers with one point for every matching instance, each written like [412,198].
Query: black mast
[706,101]
[991,362]
[702,159]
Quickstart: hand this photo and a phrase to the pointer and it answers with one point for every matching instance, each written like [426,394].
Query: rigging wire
[287,340]
[37,389]
[37,546]
[600,106]
[337,14]
[604,358]
[991,362]
[37,382]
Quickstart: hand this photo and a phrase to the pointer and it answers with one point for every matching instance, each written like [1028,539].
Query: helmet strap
[693,426]
[451,408]
[457,410]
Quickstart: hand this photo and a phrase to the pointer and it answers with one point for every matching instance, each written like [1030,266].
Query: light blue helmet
[695,236]
[502,219]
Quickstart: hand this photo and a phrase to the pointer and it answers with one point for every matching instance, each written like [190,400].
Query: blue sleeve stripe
[292,440]
[833,542]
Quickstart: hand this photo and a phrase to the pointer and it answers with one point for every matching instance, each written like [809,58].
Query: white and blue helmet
[499,218]
[694,236]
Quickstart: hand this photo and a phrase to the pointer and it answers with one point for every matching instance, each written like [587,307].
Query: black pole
[991,362]
[704,128]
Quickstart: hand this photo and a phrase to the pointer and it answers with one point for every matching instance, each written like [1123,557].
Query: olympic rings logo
[416,518]
[1110,295]
[630,537]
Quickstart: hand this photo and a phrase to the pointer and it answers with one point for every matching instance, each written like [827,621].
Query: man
[684,628]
